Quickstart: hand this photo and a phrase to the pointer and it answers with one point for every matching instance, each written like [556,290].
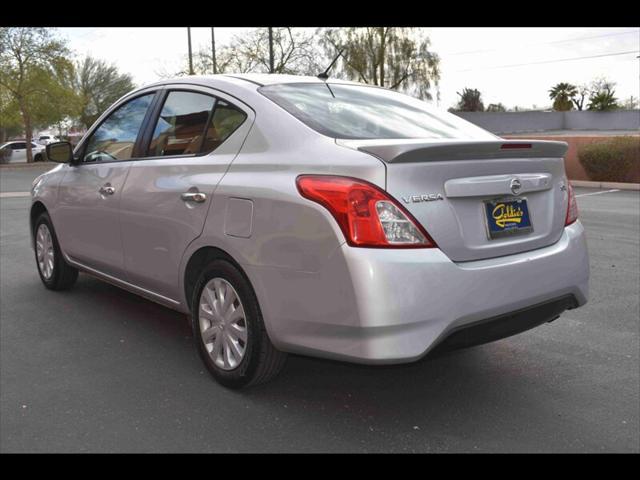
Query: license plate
[507,217]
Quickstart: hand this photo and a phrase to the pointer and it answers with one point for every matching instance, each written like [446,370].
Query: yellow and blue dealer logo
[507,217]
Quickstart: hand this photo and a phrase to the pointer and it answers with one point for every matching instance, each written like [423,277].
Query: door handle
[107,190]
[197,197]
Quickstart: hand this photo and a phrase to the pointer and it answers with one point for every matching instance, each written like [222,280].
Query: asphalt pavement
[97,369]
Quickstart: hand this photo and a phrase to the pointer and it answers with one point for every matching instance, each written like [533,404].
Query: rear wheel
[229,330]
[55,272]
[38,157]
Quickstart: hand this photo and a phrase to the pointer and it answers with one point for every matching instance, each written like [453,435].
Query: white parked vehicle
[19,151]
[46,139]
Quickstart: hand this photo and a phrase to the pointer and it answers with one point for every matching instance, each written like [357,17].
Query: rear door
[193,137]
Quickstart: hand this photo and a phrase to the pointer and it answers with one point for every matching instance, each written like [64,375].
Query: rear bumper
[394,306]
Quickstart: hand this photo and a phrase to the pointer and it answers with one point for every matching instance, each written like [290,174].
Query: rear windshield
[360,112]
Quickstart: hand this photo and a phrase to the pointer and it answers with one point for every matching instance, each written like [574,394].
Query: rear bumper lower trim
[505,325]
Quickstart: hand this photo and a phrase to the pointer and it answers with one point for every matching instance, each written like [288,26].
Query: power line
[546,43]
[548,61]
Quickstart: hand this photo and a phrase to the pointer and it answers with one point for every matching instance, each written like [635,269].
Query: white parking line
[598,193]
[14,194]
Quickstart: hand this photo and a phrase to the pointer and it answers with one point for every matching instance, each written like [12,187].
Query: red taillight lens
[572,207]
[367,215]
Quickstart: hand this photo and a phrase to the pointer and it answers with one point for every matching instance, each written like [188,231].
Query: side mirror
[60,152]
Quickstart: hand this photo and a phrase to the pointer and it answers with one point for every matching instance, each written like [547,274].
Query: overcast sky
[514,66]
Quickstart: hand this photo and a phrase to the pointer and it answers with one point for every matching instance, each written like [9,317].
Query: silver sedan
[319,217]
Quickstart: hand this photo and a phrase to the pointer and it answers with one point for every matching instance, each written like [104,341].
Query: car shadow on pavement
[446,384]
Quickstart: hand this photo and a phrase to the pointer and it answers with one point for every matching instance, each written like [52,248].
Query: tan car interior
[184,136]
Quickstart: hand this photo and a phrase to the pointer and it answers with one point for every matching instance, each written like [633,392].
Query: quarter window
[115,138]
[225,120]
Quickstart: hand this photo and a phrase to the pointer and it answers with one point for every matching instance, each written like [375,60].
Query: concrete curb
[14,194]
[618,185]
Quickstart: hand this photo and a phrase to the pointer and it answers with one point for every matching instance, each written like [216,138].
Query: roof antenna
[325,75]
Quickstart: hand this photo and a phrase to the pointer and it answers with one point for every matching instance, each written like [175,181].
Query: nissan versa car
[290,214]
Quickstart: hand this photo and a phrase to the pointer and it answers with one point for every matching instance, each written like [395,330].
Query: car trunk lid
[455,187]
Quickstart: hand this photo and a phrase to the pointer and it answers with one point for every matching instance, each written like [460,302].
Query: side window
[115,137]
[225,120]
[181,124]
[18,146]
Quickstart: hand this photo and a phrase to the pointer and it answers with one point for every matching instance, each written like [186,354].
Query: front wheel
[55,272]
[229,330]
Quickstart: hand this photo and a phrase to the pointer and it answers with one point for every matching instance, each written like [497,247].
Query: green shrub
[616,160]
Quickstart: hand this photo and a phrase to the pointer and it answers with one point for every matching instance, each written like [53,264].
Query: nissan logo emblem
[515,186]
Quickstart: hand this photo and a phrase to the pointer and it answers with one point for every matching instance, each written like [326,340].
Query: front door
[168,194]
[87,216]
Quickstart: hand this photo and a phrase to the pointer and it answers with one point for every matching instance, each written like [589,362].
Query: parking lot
[97,369]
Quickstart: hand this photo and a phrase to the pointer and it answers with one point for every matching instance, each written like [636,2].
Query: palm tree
[470,101]
[603,101]
[562,94]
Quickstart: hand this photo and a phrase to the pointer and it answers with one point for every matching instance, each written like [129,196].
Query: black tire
[261,361]
[63,275]
[38,157]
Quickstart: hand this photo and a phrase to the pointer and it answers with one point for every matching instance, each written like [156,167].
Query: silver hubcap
[222,323]
[44,251]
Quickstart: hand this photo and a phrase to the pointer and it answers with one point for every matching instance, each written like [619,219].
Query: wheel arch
[37,209]
[198,260]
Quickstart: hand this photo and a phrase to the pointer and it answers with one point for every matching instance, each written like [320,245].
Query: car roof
[278,78]
[259,79]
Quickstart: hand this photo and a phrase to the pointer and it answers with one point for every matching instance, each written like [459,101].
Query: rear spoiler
[406,151]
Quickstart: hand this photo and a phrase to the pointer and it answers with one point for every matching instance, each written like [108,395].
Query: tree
[630,103]
[603,101]
[496,107]
[61,101]
[98,85]
[602,96]
[470,101]
[295,53]
[581,91]
[10,122]
[32,64]
[562,94]
[393,57]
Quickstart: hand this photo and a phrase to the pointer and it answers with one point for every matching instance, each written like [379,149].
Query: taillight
[572,207]
[367,215]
